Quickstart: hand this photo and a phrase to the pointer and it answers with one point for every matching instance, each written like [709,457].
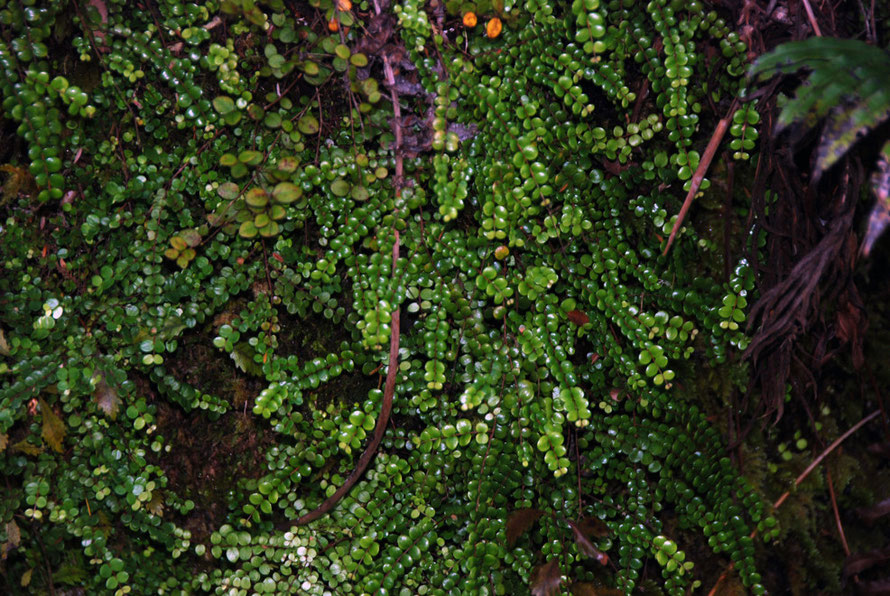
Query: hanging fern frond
[847,83]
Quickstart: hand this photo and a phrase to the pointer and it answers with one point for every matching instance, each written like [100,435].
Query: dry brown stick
[837,513]
[379,429]
[397,121]
[812,18]
[825,454]
[801,478]
[700,172]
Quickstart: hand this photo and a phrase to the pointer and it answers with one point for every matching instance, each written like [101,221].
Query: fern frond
[847,83]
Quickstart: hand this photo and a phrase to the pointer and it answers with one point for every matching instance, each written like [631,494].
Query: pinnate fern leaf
[847,83]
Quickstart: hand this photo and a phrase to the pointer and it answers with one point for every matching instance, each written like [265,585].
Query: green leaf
[308,124]
[223,104]
[243,354]
[247,229]
[341,51]
[340,187]
[250,157]
[256,197]
[360,193]
[270,230]
[286,193]
[228,190]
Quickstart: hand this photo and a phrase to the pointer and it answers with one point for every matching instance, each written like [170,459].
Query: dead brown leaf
[53,431]
[546,579]
[586,546]
[519,522]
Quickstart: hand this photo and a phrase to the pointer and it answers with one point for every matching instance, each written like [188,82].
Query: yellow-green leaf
[53,431]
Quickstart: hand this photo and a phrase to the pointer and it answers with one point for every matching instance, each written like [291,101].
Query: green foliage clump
[218,186]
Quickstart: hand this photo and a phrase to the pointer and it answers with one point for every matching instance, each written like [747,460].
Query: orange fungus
[470,19]
[493,28]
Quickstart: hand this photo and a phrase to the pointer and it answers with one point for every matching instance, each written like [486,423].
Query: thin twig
[812,18]
[837,514]
[800,479]
[825,454]
[397,120]
[700,172]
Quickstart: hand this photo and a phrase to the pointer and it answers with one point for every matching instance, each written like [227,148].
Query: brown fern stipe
[379,429]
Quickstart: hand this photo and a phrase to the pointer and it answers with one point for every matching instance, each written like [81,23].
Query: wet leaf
[340,187]
[223,104]
[53,430]
[286,193]
[586,546]
[156,505]
[250,157]
[242,354]
[287,164]
[27,448]
[578,317]
[228,190]
[13,535]
[546,579]
[247,230]
[191,237]
[519,522]
[106,397]
[256,197]
[308,124]
[359,193]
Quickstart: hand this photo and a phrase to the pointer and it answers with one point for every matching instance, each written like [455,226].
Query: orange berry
[344,5]
[333,25]
[470,19]
[493,27]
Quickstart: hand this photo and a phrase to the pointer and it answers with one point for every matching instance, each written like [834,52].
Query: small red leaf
[546,579]
[586,546]
[578,317]
[519,522]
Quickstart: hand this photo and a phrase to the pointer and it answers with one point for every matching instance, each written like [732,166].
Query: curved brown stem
[379,429]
